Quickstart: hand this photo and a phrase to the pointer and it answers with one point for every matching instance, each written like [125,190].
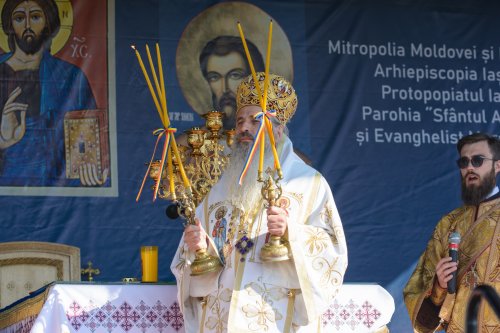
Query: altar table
[143,308]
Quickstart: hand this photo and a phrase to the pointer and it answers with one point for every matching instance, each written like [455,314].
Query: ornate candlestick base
[276,249]
[204,263]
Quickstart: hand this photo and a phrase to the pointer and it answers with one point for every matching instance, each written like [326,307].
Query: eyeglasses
[475,160]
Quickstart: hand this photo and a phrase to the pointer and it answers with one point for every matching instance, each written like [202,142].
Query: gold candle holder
[277,248]
[213,121]
[203,262]
[207,157]
[204,160]
[196,139]
[168,184]
[154,170]
[230,134]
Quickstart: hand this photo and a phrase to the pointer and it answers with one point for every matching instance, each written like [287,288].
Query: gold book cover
[85,141]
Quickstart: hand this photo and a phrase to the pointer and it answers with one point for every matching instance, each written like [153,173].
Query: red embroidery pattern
[156,317]
[351,315]
[24,326]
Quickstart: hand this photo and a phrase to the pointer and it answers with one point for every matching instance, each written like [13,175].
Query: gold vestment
[478,263]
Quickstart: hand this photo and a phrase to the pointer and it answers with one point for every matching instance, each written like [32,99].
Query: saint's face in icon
[211,60]
[224,74]
[220,213]
[224,65]
[29,26]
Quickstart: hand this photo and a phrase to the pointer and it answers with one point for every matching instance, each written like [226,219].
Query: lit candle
[146,76]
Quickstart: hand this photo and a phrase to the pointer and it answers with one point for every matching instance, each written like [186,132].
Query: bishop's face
[246,124]
[28,23]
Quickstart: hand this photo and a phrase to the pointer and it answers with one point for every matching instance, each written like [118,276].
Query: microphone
[453,242]
[172,211]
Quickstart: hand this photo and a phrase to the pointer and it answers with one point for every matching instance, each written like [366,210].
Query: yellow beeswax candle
[249,58]
[185,179]
[157,84]
[148,81]
[268,61]
[170,167]
[162,83]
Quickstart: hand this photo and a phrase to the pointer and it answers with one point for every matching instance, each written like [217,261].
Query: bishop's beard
[474,194]
[247,195]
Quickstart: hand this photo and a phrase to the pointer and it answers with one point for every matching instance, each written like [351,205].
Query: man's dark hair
[493,143]
[49,8]
[224,45]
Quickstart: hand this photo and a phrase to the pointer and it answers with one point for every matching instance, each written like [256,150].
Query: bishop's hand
[277,221]
[195,236]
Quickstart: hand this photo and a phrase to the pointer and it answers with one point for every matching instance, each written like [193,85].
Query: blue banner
[385,91]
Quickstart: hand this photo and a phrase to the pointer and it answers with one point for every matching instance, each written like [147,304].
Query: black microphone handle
[452,284]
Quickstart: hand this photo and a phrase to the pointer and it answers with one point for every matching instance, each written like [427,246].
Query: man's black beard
[33,43]
[473,195]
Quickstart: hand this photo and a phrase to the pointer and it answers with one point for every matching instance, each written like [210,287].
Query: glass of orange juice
[149,259]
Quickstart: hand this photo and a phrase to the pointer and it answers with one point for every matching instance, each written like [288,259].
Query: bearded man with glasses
[430,302]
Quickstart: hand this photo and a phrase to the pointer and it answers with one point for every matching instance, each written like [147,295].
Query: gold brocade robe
[248,295]
[478,263]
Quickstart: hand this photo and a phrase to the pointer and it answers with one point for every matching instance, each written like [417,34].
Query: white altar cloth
[359,308]
[144,308]
[108,308]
